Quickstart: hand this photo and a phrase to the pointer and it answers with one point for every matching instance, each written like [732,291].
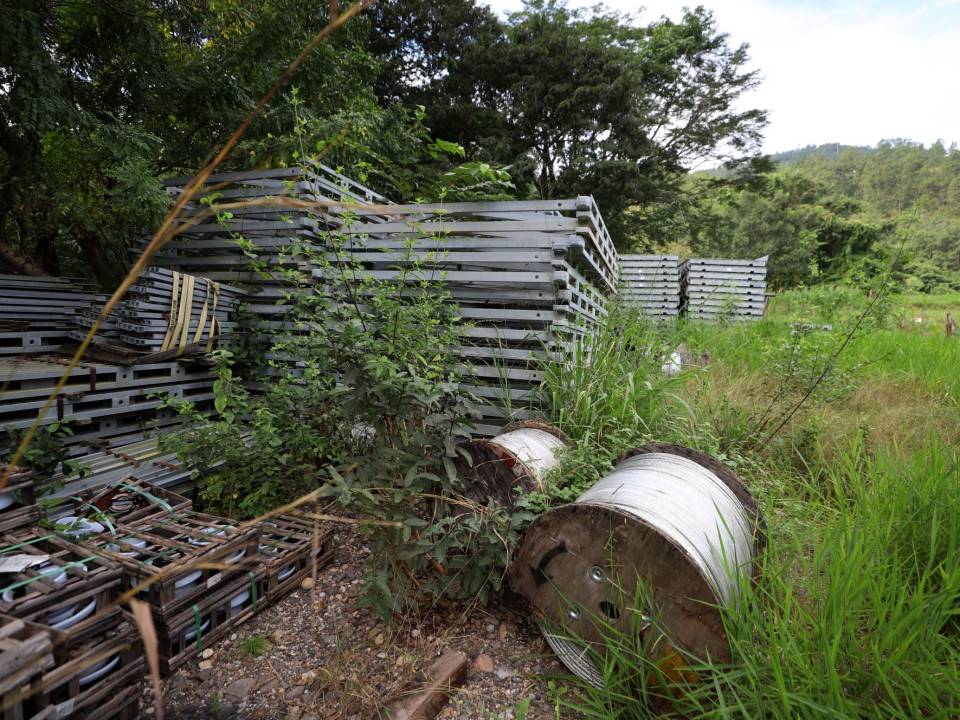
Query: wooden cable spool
[670,534]
[520,456]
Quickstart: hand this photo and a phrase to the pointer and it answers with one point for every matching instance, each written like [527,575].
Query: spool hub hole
[610,610]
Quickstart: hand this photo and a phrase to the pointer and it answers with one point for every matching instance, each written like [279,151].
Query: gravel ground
[326,658]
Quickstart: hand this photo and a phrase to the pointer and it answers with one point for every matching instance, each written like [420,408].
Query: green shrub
[365,405]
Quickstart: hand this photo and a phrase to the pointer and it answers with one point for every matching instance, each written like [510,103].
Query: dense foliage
[574,101]
[360,403]
[824,214]
[99,99]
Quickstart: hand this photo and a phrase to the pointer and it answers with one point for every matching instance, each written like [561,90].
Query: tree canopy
[826,212]
[100,100]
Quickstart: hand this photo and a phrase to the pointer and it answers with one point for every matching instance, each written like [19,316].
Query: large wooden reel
[638,552]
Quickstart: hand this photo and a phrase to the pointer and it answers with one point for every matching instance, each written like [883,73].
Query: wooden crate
[72,578]
[66,692]
[20,492]
[130,500]
[25,653]
[214,615]
[151,548]
[286,549]
[127,704]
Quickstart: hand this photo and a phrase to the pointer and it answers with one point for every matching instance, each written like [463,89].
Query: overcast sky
[852,72]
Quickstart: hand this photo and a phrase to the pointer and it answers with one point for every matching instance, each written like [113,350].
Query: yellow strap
[214,323]
[171,320]
[186,308]
[203,316]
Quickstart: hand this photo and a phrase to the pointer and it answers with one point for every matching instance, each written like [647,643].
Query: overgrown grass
[856,618]
[253,646]
[857,612]
[610,395]
[931,359]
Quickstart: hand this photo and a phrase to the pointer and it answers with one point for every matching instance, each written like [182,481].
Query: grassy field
[857,614]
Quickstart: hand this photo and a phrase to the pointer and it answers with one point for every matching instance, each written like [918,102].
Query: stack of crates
[201,574]
[52,588]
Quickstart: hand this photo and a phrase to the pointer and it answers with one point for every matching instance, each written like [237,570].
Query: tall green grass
[609,394]
[932,361]
[856,618]
[857,610]
[612,381]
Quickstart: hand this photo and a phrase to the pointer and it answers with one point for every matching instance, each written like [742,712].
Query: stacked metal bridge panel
[651,283]
[163,310]
[102,402]
[142,461]
[37,313]
[255,242]
[722,288]
[528,276]
[166,309]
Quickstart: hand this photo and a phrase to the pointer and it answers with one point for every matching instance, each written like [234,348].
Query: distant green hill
[830,150]
[829,211]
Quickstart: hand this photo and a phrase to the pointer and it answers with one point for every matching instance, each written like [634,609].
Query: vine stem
[884,290]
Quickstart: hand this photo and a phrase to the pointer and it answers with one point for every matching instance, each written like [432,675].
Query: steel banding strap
[203,314]
[31,541]
[213,320]
[174,299]
[186,307]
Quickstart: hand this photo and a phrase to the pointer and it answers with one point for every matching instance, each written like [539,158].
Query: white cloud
[833,71]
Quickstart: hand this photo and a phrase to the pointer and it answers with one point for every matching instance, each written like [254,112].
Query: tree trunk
[107,274]
[46,253]
[19,262]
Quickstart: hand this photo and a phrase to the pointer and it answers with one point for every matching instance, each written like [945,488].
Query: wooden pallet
[286,550]
[152,549]
[109,696]
[25,653]
[23,511]
[186,633]
[131,500]
[130,705]
[41,592]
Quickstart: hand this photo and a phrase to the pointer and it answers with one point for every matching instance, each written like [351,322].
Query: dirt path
[322,657]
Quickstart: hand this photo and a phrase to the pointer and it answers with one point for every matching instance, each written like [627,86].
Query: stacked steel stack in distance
[725,289]
[651,283]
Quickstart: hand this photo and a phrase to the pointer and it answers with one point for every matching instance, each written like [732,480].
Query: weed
[521,709]
[253,646]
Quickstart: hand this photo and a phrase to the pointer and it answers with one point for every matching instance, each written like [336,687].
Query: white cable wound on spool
[537,449]
[689,505]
